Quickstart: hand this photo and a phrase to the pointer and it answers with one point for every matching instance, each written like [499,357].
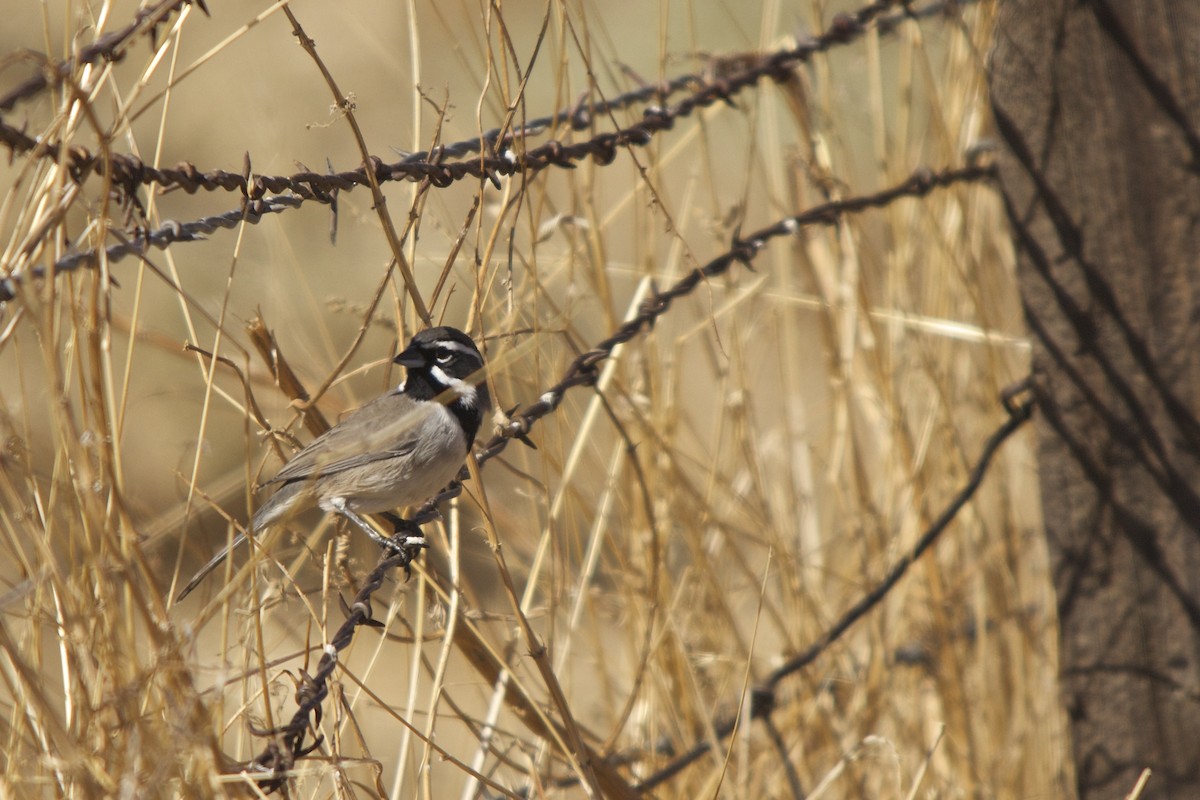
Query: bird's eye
[443,356]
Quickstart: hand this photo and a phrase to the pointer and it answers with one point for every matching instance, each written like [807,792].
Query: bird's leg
[407,546]
[338,504]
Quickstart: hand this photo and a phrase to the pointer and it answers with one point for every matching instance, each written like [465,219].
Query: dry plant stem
[417,658]
[514,100]
[452,255]
[579,753]
[97,393]
[491,665]
[486,732]
[647,180]
[358,338]
[188,302]
[210,372]
[139,292]
[838,769]
[285,377]
[430,743]
[437,681]
[745,706]
[1136,792]
[377,196]
[920,776]
[653,619]
[571,463]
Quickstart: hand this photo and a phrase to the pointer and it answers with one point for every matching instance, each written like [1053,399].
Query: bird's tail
[277,506]
[269,512]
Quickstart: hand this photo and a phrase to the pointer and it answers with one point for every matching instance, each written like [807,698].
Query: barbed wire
[129,171]
[727,77]
[288,742]
[1019,402]
[109,47]
[580,116]
[583,371]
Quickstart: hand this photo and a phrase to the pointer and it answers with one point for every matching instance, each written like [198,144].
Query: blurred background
[743,473]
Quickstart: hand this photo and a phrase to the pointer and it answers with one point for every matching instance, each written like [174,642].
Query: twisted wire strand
[129,171]
[112,46]
[584,370]
[288,742]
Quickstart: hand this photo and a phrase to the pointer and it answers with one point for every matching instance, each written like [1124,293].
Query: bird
[397,450]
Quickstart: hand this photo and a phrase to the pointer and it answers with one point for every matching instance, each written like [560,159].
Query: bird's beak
[411,358]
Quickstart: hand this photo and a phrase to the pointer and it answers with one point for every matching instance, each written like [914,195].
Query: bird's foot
[407,541]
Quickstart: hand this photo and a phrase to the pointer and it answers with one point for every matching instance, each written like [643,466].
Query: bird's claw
[407,543]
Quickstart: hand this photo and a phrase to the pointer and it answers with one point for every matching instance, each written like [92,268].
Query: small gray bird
[397,450]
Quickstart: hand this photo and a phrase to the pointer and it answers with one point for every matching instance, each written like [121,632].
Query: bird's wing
[386,427]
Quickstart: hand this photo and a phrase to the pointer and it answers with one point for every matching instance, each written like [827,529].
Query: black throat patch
[421,385]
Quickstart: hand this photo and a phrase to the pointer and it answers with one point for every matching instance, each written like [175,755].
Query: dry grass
[745,471]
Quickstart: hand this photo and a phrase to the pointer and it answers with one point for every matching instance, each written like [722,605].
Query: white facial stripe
[460,387]
[447,344]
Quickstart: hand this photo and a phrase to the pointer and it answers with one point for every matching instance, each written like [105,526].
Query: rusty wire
[728,78]
[129,171]
[111,46]
[288,742]
[1020,402]
[583,371]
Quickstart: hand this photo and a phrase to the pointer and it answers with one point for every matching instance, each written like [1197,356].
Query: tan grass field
[741,474]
